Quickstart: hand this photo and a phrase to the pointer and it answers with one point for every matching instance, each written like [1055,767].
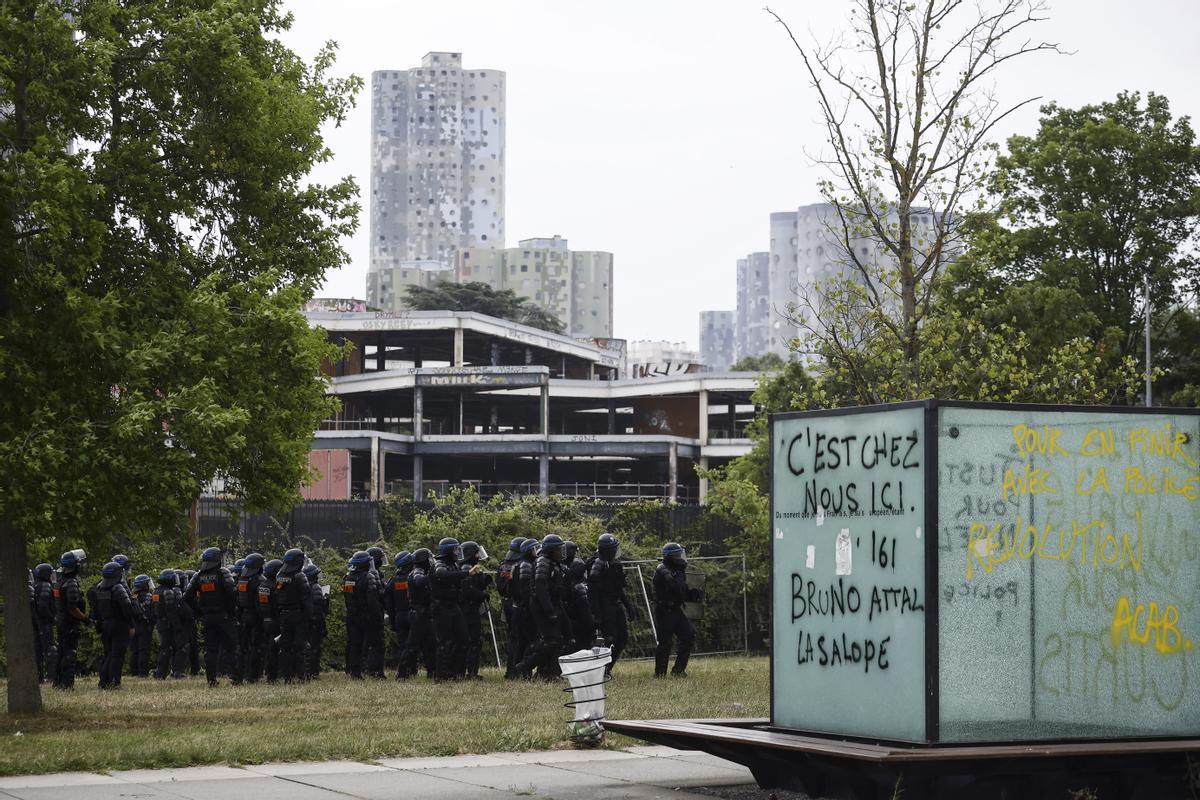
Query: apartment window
[524,268]
[537,267]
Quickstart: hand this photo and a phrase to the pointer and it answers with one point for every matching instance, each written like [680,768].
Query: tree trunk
[24,694]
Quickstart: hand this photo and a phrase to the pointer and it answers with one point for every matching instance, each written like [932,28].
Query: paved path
[641,773]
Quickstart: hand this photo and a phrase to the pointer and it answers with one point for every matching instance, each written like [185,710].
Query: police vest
[264,596]
[106,604]
[445,589]
[503,577]
[289,591]
[355,587]
[399,589]
[208,592]
[247,592]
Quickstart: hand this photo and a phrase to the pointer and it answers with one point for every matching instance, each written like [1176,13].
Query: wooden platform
[831,767]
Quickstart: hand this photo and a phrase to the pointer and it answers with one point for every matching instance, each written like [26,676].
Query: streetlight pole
[1149,396]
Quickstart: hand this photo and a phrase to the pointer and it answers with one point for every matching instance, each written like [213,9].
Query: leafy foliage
[159,233]
[767,362]
[481,298]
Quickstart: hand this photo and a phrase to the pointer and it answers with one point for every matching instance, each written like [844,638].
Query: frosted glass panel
[1068,574]
[849,574]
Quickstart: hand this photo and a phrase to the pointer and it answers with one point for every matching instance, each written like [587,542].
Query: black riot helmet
[72,561]
[529,548]
[608,546]
[570,549]
[271,568]
[211,558]
[674,555]
[112,571]
[312,572]
[403,559]
[360,560]
[378,556]
[552,546]
[141,583]
[43,572]
[514,546]
[252,564]
[473,553]
[293,561]
[123,560]
[422,557]
[168,578]
[448,548]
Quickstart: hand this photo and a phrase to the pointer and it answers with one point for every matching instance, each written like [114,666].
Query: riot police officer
[125,563]
[215,594]
[445,585]
[43,621]
[114,613]
[611,607]
[69,615]
[172,618]
[520,592]
[547,608]
[185,580]
[364,617]
[670,593]
[316,627]
[395,602]
[268,620]
[504,576]
[378,559]
[293,599]
[579,610]
[474,606]
[143,628]
[250,632]
[420,644]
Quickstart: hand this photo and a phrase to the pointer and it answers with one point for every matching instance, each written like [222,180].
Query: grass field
[179,723]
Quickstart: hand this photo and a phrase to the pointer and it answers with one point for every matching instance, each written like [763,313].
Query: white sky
[666,131]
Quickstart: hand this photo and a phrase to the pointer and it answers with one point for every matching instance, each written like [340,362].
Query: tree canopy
[483,299]
[160,233]
[767,362]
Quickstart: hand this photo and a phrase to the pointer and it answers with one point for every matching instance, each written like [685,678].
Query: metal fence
[609,492]
[336,523]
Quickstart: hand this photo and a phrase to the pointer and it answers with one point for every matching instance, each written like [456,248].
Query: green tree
[483,299]
[767,362]
[159,234]
[1098,200]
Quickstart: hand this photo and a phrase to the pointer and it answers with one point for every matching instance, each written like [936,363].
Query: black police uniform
[114,612]
[474,606]
[316,628]
[250,631]
[547,609]
[395,602]
[504,574]
[522,633]
[420,644]
[194,629]
[173,619]
[670,593]
[364,622]
[294,601]
[216,596]
[451,634]
[143,635]
[67,596]
[268,629]
[610,603]
[43,629]
[375,642]
[579,610]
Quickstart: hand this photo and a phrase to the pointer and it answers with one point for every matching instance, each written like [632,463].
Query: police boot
[681,662]
[660,664]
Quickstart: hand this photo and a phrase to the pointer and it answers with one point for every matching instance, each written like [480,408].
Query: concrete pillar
[703,417]
[374,492]
[418,412]
[458,345]
[494,420]
[380,360]
[703,482]
[495,355]
[418,477]
[673,473]
[544,474]
[460,414]
[612,417]
[732,409]
[544,410]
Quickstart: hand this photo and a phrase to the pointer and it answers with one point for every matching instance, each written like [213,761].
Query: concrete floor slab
[664,772]
[398,783]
